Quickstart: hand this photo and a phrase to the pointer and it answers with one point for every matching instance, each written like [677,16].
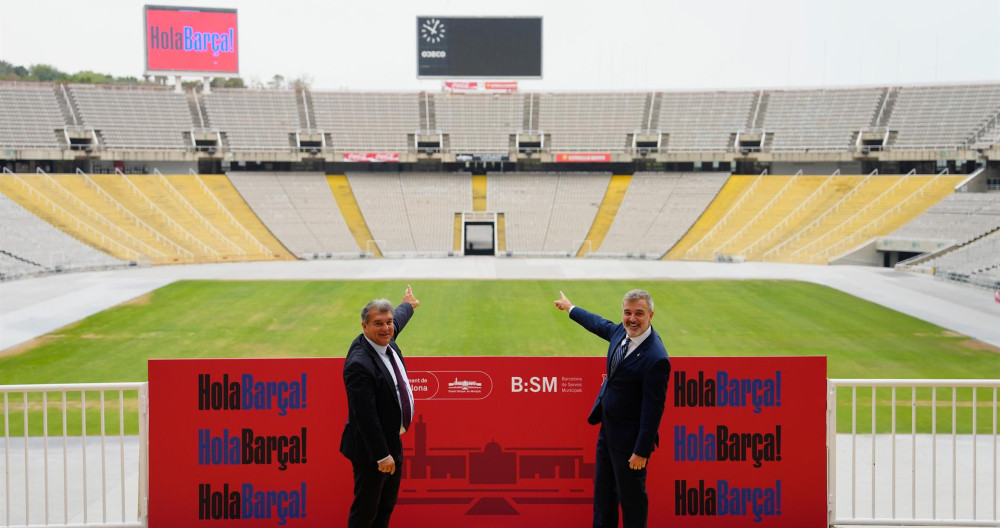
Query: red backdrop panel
[497,441]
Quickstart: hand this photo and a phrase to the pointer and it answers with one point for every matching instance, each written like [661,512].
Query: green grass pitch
[206,319]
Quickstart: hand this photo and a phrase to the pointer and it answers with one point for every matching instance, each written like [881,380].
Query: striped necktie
[619,356]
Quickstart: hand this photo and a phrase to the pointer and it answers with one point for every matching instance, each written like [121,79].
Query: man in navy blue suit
[629,407]
[380,408]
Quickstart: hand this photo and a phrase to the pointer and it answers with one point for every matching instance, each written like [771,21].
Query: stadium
[191,221]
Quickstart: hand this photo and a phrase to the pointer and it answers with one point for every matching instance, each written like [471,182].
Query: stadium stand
[942,116]
[606,213]
[28,245]
[134,117]
[141,218]
[819,119]
[806,219]
[300,210]
[412,214]
[704,120]
[248,238]
[367,121]
[657,211]
[31,116]
[591,122]
[958,218]
[978,261]
[12,268]
[479,123]
[564,203]
[964,117]
[254,119]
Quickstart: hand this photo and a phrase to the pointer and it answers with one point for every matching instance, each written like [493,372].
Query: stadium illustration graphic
[493,479]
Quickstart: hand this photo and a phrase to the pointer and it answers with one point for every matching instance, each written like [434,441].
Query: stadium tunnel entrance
[479,237]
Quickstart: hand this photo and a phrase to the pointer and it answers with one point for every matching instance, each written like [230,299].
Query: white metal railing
[57,485]
[914,474]
[950,477]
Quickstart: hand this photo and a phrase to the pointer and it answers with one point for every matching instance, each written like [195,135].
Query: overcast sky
[587,44]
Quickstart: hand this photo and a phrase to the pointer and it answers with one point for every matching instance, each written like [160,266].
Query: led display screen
[192,40]
[479,47]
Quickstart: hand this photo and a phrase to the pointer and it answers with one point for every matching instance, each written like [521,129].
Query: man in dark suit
[629,407]
[380,408]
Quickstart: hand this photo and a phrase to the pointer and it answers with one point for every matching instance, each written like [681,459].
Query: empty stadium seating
[134,117]
[958,218]
[818,119]
[300,210]
[367,121]
[141,218]
[657,211]
[29,245]
[479,123]
[546,213]
[979,259]
[30,115]
[804,218]
[703,120]
[141,117]
[412,214]
[931,117]
[599,122]
[255,119]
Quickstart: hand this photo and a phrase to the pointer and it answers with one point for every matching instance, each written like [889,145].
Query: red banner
[192,40]
[496,441]
[583,157]
[455,86]
[502,86]
[371,157]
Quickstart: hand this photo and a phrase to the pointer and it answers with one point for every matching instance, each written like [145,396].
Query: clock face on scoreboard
[433,30]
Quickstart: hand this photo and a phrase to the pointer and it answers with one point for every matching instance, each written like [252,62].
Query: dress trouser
[615,483]
[375,494]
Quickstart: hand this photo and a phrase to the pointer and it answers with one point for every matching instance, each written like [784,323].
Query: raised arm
[404,311]
[597,325]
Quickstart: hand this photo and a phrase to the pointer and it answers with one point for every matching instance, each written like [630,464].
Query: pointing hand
[563,303]
[409,298]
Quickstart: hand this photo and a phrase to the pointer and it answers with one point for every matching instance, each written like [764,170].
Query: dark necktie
[402,388]
[619,356]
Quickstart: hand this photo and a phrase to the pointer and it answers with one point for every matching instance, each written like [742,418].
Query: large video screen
[192,40]
[508,48]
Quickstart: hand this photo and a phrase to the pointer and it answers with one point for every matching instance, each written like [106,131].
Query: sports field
[464,317]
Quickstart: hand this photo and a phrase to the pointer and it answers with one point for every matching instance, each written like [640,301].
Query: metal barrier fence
[936,464]
[55,482]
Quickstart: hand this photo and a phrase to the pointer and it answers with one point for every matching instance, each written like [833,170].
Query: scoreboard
[509,48]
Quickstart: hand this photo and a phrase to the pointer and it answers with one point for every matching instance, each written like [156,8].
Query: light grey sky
[588,44]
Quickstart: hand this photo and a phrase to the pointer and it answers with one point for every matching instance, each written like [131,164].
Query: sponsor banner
[192,40]
[453,86]
[495,441]
[496,157]
[371,157]
[501,86]
[583,157]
